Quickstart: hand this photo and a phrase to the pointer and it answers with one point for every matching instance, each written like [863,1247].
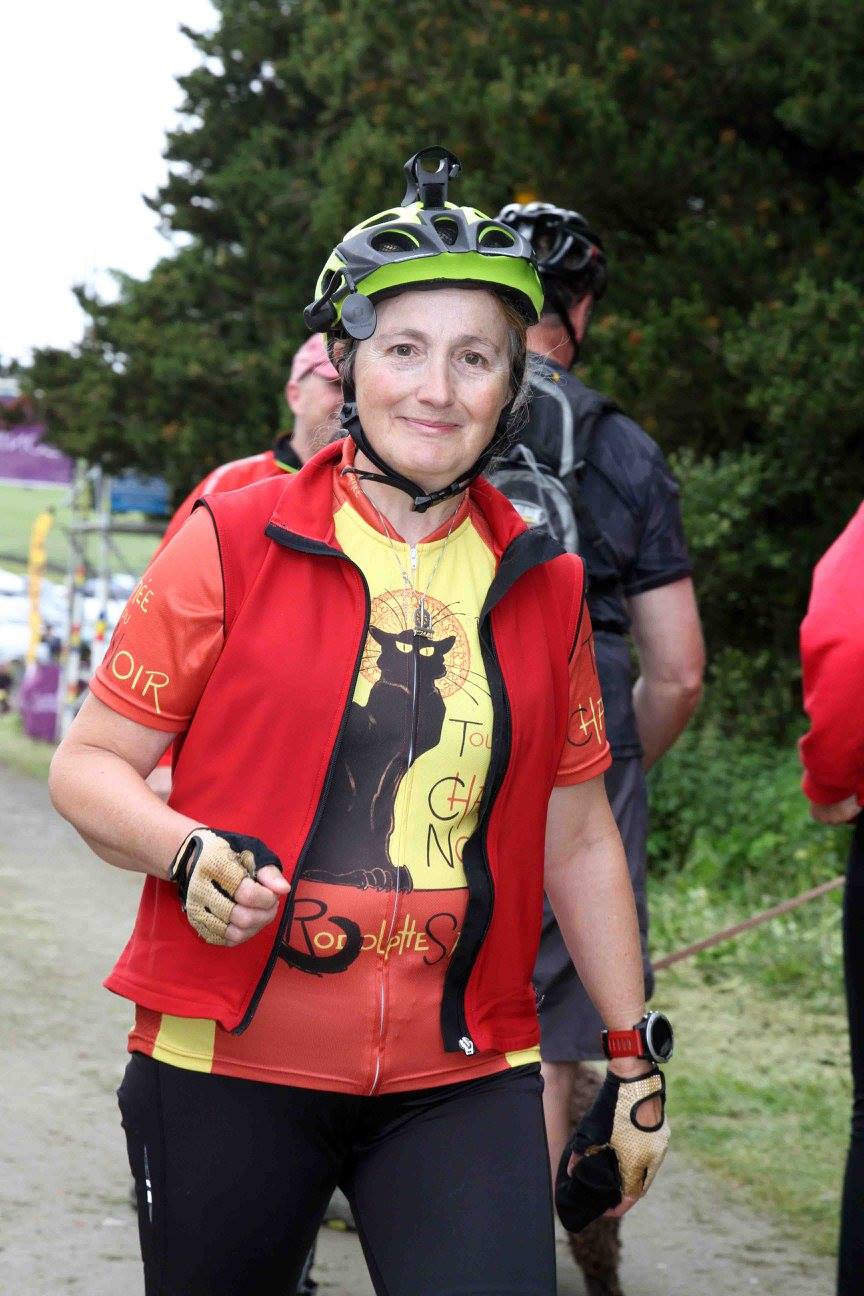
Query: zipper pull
[467,1045]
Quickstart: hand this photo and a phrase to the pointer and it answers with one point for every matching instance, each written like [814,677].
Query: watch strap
[624,1043]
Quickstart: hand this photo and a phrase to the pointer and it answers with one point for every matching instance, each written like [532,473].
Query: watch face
[659,1037]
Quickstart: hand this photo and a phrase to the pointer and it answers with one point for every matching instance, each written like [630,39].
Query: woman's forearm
[592,900]
[112,808]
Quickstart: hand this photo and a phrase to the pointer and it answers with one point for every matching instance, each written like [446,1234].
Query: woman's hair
[343,353]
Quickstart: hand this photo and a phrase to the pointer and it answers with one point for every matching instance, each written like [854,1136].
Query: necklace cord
[422,619]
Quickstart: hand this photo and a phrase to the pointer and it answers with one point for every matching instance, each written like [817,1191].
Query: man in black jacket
[641,593]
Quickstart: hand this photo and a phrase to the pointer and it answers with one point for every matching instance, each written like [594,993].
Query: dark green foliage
[718,147]
[732,807]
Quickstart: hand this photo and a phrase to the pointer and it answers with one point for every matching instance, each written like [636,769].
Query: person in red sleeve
[389,741]
[313,393]
[832,751]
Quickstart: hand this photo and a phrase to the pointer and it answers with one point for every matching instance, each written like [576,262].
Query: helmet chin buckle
[359,319]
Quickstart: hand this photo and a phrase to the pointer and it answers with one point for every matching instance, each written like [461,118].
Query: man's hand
[842,812]
[229,884]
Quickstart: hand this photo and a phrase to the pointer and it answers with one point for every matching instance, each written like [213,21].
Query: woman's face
[432,380]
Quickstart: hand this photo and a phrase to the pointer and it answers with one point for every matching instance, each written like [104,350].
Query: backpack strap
[581,410]
[588,409]
[567,449]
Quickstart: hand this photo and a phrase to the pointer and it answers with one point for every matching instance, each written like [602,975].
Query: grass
[20,753]
[759,1086]
[18,508]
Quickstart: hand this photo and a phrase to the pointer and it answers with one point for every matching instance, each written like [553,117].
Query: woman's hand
[229,884]
[627,1118]
[255,905]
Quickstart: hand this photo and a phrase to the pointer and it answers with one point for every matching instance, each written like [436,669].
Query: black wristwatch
[652,1038]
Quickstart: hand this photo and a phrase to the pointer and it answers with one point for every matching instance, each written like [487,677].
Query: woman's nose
[436,383]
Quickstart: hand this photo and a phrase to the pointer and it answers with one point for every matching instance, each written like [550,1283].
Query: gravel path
[65,1222]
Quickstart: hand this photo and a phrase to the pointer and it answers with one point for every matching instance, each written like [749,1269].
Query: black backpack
[541,473]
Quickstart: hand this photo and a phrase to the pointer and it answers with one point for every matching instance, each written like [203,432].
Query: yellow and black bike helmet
[427,242]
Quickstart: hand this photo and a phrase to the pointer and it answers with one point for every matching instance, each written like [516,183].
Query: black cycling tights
[850,1280]
[449,1186]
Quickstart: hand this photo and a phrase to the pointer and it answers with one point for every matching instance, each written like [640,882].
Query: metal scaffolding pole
[85,522]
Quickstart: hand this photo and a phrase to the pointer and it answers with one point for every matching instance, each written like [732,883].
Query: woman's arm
[97,782]
[588,886]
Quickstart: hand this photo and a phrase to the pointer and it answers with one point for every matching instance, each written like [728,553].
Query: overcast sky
[87,93]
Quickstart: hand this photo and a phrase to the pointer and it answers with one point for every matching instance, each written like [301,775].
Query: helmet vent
[392,241]
[447,230]
[379,217]
[496,237]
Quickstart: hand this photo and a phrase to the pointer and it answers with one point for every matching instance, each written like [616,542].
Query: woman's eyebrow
[464,339]
[475,339]
[404,332]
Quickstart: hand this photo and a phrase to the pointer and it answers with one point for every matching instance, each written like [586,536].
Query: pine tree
[719,148]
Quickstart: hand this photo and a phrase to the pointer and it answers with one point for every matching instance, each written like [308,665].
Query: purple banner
[37,700]
[25,457]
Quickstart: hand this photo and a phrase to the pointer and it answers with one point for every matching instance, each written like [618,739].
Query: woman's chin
[430,461]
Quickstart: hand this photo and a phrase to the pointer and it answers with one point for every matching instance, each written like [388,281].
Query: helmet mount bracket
[429,188]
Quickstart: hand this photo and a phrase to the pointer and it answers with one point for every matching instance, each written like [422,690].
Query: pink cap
[312,357]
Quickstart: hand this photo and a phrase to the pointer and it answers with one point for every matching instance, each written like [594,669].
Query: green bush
[730,836]
[728,812]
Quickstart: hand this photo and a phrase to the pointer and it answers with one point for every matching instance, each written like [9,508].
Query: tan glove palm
[208,868]
[640,1150]
[614,1121]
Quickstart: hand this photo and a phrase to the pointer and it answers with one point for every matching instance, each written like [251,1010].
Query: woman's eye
[403,350]
[474,359]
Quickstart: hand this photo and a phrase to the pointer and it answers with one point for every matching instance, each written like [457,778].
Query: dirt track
[64,1215]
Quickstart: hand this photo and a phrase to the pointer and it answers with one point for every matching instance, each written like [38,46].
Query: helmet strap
[421,500]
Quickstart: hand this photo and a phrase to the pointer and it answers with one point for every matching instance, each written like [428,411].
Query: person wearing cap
[370,669]
[313,394]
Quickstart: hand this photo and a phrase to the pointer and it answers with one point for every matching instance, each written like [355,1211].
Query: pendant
[422,617]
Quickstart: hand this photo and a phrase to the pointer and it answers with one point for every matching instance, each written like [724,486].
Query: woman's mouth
[430,425]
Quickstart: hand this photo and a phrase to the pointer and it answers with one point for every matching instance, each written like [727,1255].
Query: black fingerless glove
[190,852]
[208,868]
[617,1153]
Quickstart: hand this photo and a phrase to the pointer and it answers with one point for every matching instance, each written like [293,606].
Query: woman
[383,686]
